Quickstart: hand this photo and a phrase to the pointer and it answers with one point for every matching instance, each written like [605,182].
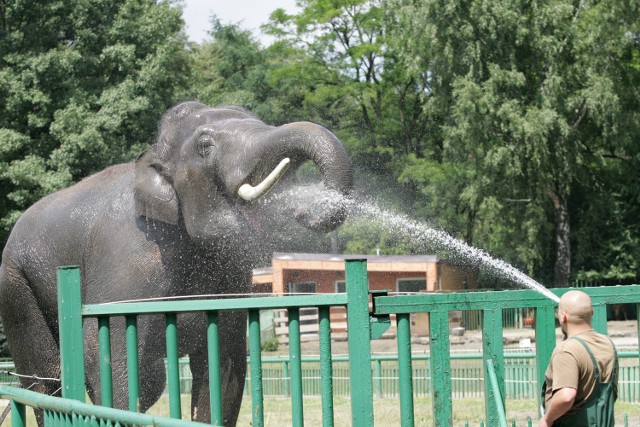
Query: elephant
[179,220]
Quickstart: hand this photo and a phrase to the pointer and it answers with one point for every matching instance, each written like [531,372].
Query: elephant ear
[154,196]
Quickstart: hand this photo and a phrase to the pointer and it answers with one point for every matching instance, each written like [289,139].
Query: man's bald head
[577,306]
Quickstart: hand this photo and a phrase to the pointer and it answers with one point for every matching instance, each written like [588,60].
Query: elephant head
[209,165]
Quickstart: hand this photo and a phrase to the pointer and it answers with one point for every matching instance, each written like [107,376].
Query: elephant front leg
[233,368]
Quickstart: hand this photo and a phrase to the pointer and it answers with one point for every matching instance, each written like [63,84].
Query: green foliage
[533,99]
[82,85]
[356,83]
[506,124]
[227,69]
[270,344]
[511,125]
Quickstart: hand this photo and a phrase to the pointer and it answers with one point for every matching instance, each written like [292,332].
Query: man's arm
[561,401]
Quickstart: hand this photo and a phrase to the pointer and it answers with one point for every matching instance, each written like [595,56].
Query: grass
[277,412]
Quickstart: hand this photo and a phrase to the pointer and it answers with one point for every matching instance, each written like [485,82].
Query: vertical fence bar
[359,336]
[18,414]
[255,358]
[599,321]
[501,418]
[440,368]
[296,368]
[173,367]
[326,367]
[378,370]
[287,378]
[215,391]
[104,345]
[545,342]
[405,371]
[493,350]
[133,367]
[70,322]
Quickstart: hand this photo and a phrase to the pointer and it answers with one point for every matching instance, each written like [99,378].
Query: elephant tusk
[249,193]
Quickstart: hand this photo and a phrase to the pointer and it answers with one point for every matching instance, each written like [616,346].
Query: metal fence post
[133,365]
[440,367]
[173,369]
[359,343]
[405,371]
[493,351]
[18,414]
[70,323]
[326,366]
[215,378]
[297,413]
[106,372]
[545,342]
[255,357]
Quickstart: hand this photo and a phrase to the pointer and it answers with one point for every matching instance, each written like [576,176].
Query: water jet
[420,233]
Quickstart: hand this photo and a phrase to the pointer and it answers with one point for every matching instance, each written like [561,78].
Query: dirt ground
[623,333]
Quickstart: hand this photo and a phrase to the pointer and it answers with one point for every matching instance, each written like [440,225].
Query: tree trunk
[562,268]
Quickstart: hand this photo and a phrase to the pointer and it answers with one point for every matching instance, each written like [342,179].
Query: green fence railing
[492,305]
[363,325]
[70,412]
[467,379]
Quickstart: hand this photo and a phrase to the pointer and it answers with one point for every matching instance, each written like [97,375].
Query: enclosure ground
[277,412]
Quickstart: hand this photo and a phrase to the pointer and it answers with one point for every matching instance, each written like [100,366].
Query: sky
[250,14]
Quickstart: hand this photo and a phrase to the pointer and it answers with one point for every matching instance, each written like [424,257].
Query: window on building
[412,285]
[341,286]
[302,288]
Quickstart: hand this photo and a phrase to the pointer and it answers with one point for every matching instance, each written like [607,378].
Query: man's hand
[561,401]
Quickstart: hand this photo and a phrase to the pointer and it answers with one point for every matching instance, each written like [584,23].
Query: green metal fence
[68,412]
[467,380]
[511,318]
[467,376]
[411,374]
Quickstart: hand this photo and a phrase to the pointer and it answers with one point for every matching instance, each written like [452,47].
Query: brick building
[292,273]
[324,273]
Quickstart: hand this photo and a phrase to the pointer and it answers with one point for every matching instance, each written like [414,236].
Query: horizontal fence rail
[68,412]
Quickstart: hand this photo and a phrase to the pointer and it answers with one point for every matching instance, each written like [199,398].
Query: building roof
[342,257]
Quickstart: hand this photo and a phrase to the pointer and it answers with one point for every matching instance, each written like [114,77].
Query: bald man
[581,381]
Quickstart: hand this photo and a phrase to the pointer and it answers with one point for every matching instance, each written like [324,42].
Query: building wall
[442,276]
[326,280]
[457,277]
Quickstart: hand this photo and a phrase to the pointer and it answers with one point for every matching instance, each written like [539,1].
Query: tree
[228,69]
[353,76]
[82,86]
[532,96]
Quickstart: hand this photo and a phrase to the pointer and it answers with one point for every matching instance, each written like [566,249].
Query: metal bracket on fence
[380,323]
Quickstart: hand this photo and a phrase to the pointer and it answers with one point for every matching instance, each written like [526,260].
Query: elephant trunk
[304,141]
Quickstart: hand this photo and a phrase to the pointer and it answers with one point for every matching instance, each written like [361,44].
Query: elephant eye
[205,145]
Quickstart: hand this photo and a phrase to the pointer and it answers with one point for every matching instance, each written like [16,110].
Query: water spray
[426,235]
